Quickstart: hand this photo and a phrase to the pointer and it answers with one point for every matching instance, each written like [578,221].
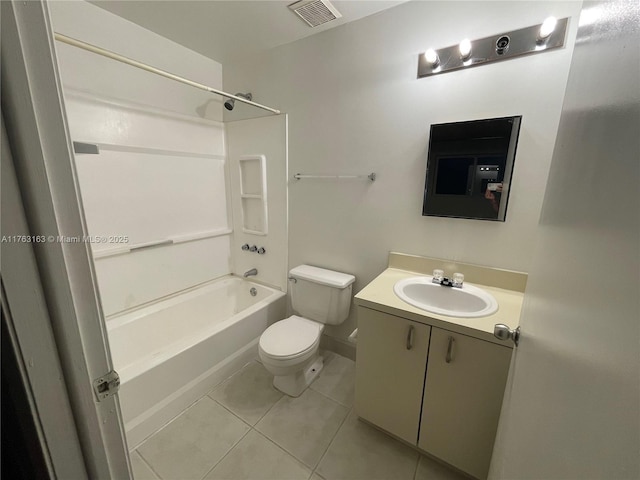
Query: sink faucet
[248,273]
[440,279]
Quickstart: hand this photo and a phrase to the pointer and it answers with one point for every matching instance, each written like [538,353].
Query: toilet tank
[321,295]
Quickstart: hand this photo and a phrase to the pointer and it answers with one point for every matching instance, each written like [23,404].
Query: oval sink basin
[468,301]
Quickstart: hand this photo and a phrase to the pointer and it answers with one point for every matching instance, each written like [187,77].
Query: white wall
[355,107]
[261,136]
[161,171]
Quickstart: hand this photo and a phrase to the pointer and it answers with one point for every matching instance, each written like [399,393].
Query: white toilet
[289,348]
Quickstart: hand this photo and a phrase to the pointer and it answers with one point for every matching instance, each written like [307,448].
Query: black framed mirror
[469,168]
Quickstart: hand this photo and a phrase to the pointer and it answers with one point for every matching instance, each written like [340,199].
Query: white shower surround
[174,331]
[172,352]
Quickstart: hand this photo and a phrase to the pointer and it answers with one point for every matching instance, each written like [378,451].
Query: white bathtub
[172,352]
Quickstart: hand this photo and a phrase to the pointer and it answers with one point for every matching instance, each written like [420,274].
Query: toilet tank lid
[322,276]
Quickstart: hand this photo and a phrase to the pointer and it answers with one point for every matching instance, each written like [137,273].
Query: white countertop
[379,295]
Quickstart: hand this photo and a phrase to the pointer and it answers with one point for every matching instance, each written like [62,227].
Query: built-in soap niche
[469,168]
[253,194]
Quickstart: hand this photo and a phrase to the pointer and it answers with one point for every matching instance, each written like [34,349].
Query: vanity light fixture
[465,49]
[432,58]
[546,29]
[470,53]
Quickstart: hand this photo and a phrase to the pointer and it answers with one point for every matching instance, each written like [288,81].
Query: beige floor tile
[429,469]
[256,458]
[189,446]
[249,393]
[303,426]
[360,452]
[141,470]
[337,380]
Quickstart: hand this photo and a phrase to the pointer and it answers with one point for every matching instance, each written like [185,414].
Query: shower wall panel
[254,138]
[155,197]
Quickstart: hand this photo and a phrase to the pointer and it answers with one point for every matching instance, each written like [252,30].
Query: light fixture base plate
[524,41]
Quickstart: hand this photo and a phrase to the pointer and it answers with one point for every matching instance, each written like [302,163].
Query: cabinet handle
[449,350]
[410,338]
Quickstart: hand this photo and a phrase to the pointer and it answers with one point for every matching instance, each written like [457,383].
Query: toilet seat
[290,338]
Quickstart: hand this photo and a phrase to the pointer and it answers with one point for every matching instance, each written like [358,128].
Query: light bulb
[431,57]
[547,28]
[465,48]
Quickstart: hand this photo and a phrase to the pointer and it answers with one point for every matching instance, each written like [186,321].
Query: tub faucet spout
[248,273]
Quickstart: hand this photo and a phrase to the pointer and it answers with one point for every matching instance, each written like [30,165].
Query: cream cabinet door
[463,394]
[390,366]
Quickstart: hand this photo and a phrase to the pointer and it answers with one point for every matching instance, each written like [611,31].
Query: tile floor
[246,429]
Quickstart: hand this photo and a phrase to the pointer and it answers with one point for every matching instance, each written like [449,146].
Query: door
[571,409]
[37,134]
[34,376]
[390,366]
[462,399]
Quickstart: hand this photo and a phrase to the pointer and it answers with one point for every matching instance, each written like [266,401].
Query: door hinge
[107,385]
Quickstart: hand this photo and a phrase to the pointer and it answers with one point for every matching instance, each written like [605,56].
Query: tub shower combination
[172,352]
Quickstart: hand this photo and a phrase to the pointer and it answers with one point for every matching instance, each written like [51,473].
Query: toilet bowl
[289,348]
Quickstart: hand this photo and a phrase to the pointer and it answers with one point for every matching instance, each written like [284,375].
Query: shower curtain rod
[134,63]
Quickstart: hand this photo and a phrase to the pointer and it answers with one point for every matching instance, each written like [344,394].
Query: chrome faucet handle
[438,276]
[458,279]
[245,247]
[253,248]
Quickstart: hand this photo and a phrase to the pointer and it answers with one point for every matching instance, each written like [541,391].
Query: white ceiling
[227,30]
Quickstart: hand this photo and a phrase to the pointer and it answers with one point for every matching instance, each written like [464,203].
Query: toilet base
[296,383]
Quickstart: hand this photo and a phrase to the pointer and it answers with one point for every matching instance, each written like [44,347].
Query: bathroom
[192,197]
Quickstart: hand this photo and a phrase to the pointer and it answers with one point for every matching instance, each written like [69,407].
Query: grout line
[293,454]
[187,408]
[184,411]
[285,451]
[144,460]
[220,384]
[232,413]
[147,438]
[269,409]
[171,421]
[281,447]
[264,434]
[251,427]
[333,354]
[348,407]
[415,472]
[324,454]
[225,455]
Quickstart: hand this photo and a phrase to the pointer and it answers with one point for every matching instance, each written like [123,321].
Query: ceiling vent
[315,12]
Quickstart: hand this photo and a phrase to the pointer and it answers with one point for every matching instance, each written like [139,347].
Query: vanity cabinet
[463,394]
[390,367]
[444,394]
